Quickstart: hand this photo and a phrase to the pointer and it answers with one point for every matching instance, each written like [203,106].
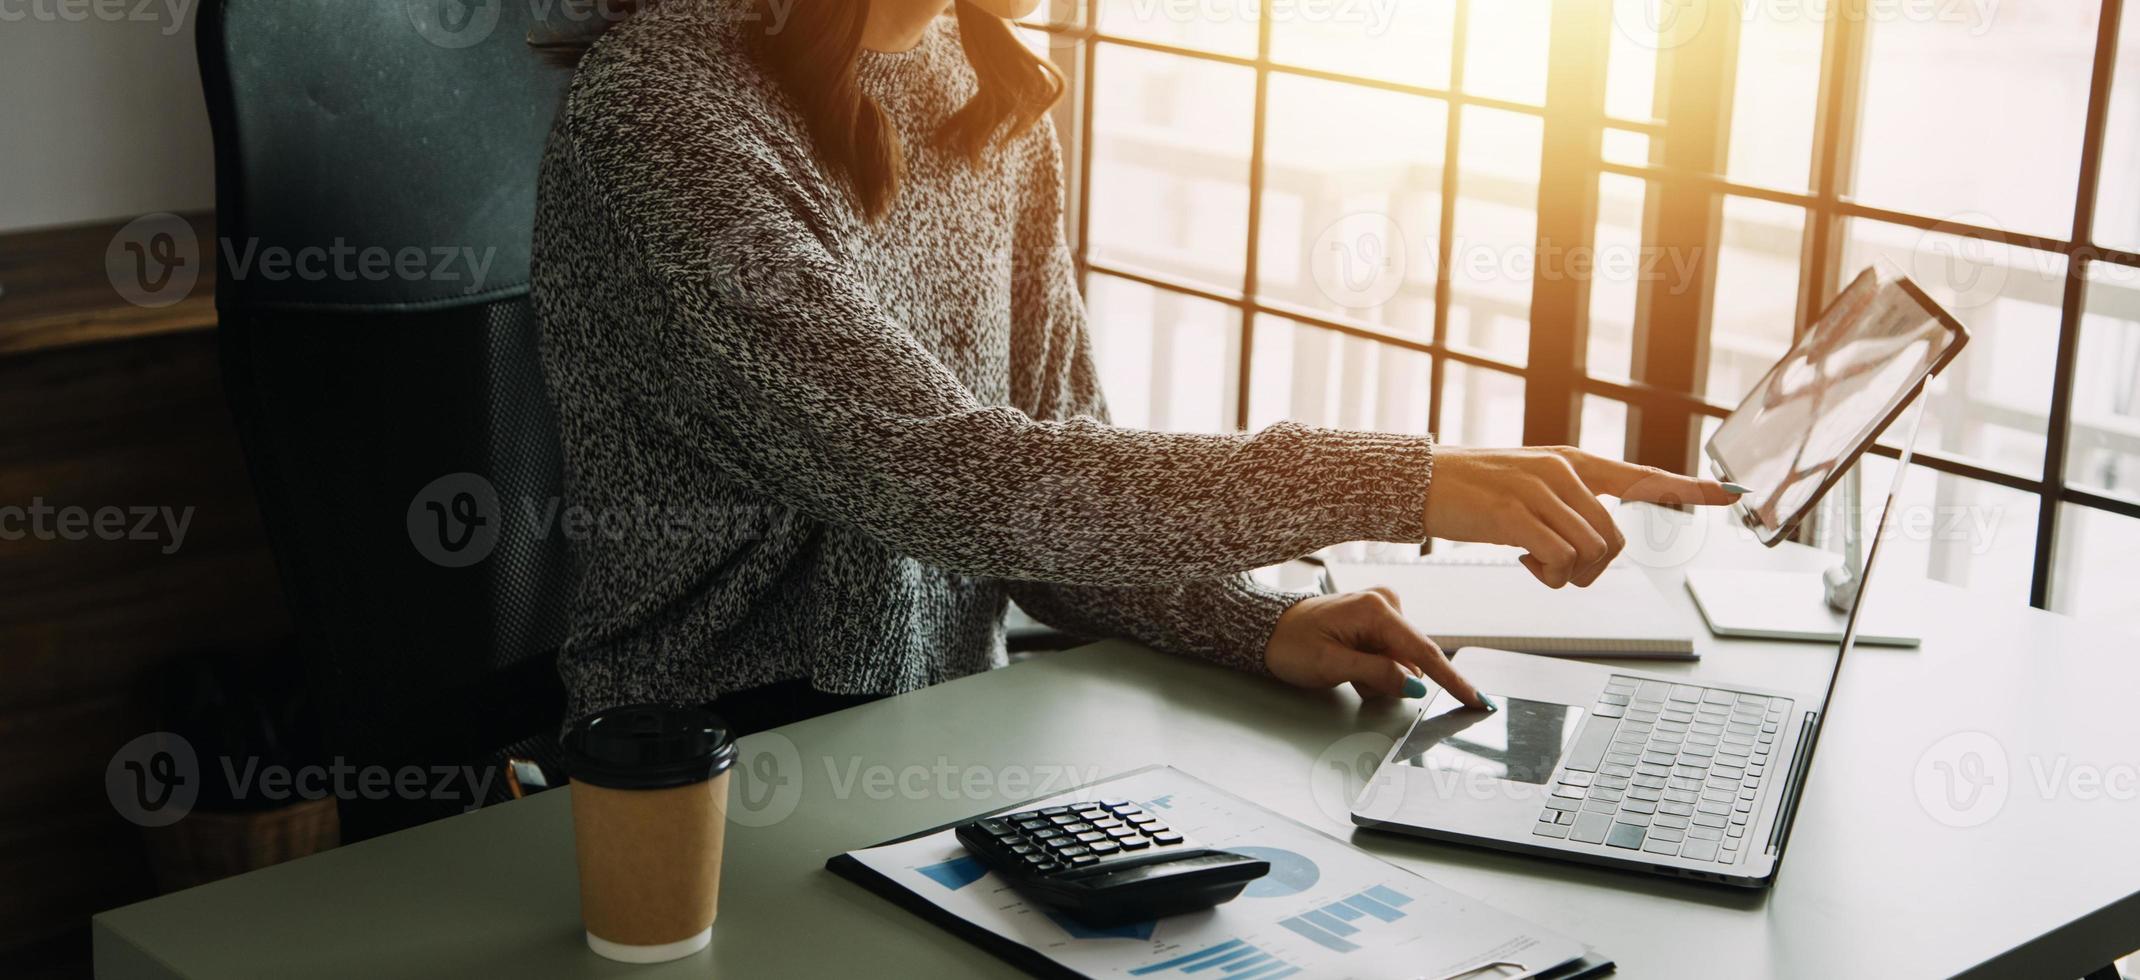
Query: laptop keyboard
[1671,769]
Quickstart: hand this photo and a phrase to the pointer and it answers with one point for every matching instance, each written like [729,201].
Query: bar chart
[1329,925]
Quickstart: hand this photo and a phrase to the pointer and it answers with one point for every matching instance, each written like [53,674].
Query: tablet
[1822,406]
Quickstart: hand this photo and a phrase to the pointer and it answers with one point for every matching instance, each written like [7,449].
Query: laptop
[1663,773]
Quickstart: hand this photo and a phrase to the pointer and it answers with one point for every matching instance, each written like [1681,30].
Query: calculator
[1107,862]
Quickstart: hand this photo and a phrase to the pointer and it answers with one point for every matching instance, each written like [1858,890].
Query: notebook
[1326,910]
[1484,598]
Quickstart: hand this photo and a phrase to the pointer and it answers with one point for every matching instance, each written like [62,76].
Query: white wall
[100,112]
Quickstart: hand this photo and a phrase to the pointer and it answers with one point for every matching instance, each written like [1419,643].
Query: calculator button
[1073,852]
[1104,846]
[1084,859]
[1120,833]
[1091,835]
[1064,818]
[1053,810]
[1134,843]
[1166,837]
[1046,832]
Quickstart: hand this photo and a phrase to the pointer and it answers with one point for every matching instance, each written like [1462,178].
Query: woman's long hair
[815,53]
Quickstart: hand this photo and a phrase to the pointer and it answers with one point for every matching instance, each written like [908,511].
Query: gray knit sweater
[813,446]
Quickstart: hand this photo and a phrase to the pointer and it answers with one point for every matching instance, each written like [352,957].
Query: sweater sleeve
[774,361]
[1226,619]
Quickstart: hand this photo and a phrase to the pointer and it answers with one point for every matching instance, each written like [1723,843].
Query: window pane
[1617,275]
[1352,201]
[1604,427]
[1992,403]
[1407,41]
[2096,577]
[1756,303]
[1224,26]
[1774,101]
[1496,232]
[2104,452]
[1965,115]
[1170,164]
[1481,407]
[1167,361]
[1624,147]
[1963,532]
[2117,208]
[1505,50]
[1321,377]
[1631,61]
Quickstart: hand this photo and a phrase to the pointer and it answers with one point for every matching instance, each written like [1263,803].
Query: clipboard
[1039,964]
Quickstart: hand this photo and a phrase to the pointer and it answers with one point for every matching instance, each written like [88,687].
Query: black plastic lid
[648,746]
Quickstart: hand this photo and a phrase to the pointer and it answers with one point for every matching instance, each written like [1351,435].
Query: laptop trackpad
[1523,742]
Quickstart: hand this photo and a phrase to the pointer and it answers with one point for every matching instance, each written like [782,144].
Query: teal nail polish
[1735,488]
[1414,687]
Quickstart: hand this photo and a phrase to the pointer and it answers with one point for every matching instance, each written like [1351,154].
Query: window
[1597,223]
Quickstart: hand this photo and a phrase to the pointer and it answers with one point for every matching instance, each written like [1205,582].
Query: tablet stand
[1799,605]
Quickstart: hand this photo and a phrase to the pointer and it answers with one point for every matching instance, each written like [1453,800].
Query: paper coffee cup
[649,807]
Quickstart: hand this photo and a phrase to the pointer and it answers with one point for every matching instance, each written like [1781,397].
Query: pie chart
[1291,872]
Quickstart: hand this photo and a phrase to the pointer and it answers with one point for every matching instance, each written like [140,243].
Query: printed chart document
[1326,910]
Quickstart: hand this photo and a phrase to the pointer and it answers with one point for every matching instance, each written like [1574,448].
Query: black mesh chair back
[375,179]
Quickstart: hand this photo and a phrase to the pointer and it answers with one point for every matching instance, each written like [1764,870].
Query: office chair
[397,427]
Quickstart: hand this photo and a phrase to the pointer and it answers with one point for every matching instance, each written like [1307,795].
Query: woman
[802,281]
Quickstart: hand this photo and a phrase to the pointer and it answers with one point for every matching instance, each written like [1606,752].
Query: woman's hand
[1359,637]
[1545,501]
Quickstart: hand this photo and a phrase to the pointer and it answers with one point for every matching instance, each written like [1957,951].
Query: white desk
[1874,885]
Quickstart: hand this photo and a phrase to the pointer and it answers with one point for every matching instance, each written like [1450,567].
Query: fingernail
[1488,705]
[1735,488]
[1414,687]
